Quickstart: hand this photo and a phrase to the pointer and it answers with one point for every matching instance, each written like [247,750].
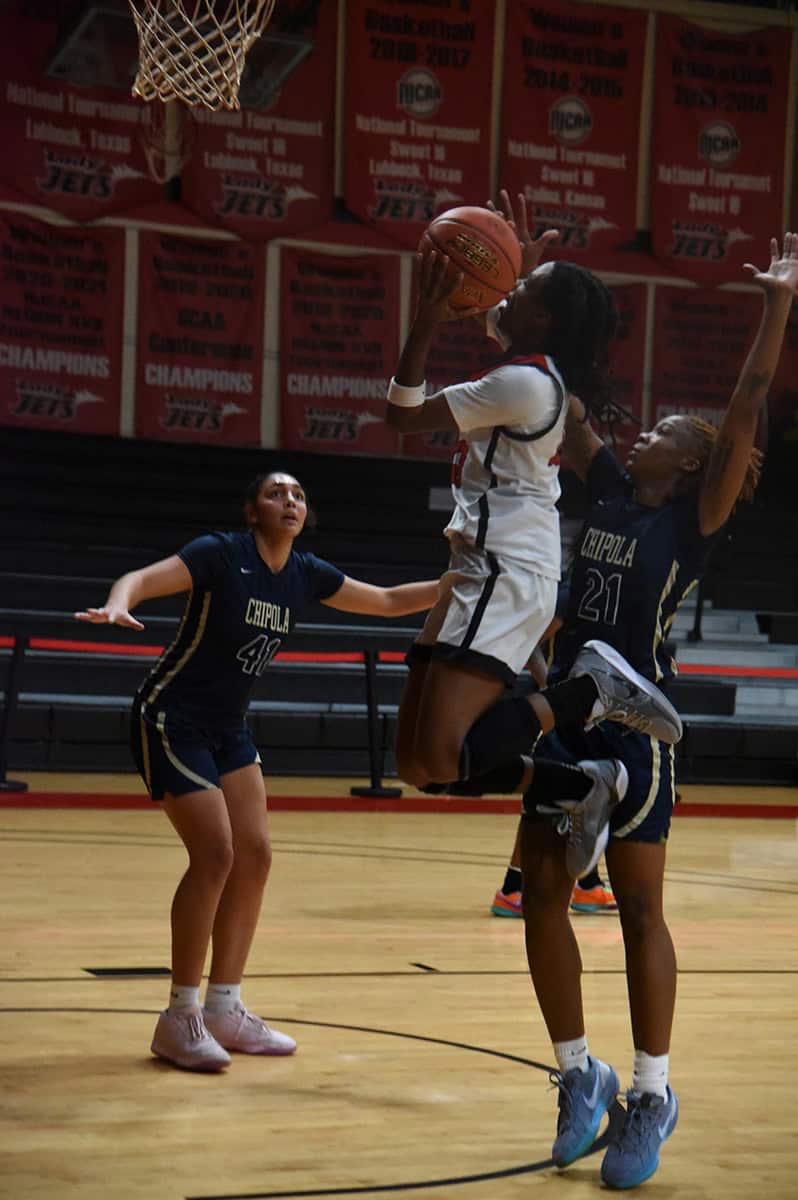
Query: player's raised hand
[783,270]
[532,249]
[439,281]
[109,614]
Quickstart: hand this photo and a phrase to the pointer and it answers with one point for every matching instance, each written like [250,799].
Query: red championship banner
[573,77]
[417,117]
[718,147]
[268,172]
[701,339]
[460,351]
[200,340]
[75,150]
[338,350]
[623,419]
[60,326]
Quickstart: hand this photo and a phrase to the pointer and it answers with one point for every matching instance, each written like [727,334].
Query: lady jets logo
[418,93]
[570,121]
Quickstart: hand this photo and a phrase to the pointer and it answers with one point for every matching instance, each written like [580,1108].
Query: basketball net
[167,135]
[195,50]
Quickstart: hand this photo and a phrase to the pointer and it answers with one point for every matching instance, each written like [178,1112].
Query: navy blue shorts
[174,756]
[644,814]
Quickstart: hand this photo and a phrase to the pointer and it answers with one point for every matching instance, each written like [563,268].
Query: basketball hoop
[195,50]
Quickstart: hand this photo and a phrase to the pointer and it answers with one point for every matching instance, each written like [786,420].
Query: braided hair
[704,437]
[584,319]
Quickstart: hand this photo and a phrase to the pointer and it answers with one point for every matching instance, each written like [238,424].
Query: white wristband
[406,397]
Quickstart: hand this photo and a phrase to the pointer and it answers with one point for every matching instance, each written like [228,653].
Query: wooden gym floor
[422,1059]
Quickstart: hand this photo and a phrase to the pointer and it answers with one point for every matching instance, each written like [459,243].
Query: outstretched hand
[108,615]
[532,249]
[783,270]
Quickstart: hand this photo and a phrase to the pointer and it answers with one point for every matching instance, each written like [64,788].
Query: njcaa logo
[335,424]
[570,121]
[254,196]
[197,414]
[718,143]
[707,242]
[418,93]
[81,175]
[49,401]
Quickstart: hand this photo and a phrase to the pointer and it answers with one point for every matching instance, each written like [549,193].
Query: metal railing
[21,631]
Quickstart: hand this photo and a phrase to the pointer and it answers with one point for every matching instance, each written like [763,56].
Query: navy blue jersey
[632,567]
[237,616]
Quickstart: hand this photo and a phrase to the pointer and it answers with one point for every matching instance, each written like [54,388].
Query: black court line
[124,972]
[615,1112]
[425,856]
[422,972]
[676,875]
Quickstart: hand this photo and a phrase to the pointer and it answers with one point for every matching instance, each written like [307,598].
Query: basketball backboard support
[97,47]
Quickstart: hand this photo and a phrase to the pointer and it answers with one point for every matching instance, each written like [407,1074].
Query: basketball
[482,245]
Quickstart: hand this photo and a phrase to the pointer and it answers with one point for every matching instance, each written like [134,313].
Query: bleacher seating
[75,512]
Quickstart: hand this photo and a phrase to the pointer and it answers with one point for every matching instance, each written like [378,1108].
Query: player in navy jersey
[644,545]
[504,536]
[196,755]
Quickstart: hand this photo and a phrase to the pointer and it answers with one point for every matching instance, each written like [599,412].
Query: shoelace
[563,823]
[577,828]
[196,1027]
[557,1079]
[252,1019]
[633,1131]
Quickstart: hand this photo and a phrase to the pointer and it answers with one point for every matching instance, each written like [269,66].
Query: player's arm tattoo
[758,383]
[718,461]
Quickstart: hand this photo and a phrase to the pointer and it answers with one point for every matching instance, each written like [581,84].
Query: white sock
[650,1074]
[183,998]
[571,1054]
[222,997]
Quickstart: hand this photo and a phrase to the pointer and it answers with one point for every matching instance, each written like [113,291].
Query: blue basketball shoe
[634,1154]
[584,1098]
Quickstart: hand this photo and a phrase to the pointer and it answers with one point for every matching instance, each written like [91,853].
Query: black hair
[253,490]
[584,319]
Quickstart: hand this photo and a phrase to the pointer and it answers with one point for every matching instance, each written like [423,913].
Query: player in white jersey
[554,328]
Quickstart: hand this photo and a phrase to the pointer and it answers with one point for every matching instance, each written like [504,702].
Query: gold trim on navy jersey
[162,674]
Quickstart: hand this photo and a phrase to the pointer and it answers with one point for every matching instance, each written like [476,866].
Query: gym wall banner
[338,350]
[268,172]
[718,147]
[701,338]
[573,78]
[627,366]
[417,111]
[60,326]
[200,340]
[76,150]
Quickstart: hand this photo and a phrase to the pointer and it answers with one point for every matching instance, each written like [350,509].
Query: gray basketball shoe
[590,819]
[624,695]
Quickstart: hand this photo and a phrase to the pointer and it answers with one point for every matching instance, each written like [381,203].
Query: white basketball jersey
[505,472]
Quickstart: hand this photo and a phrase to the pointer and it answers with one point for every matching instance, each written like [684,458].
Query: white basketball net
[195,50]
